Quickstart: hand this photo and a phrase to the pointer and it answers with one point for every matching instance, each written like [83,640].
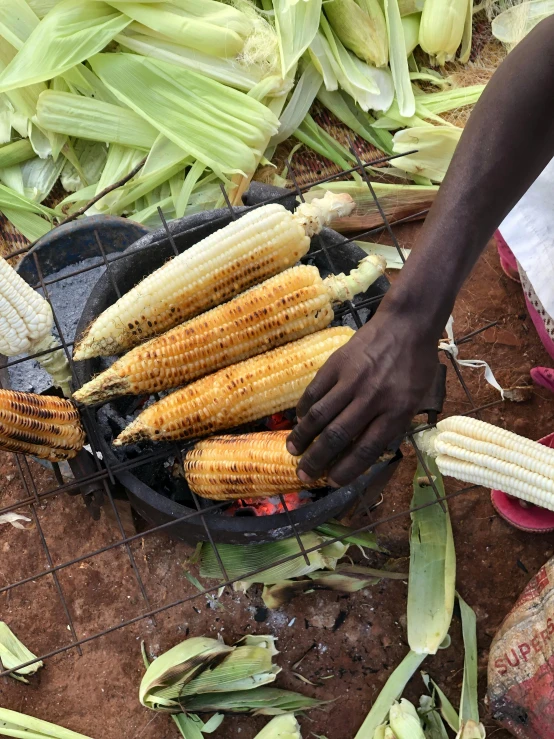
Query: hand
[363,398]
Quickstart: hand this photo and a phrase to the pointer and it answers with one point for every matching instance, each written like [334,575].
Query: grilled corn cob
[40,425]
[477,452]
[246,466]
[26,323]
[284,308]
[244,392]
[259,245]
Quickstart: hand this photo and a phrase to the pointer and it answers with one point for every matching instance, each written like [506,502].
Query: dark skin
[368,392]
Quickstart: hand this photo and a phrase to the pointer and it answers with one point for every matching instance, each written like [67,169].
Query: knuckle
[337,436]
[316,413]
[368,451]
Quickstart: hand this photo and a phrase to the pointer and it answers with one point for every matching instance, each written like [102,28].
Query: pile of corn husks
[203,91]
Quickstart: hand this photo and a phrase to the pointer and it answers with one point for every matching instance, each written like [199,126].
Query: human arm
[367,393]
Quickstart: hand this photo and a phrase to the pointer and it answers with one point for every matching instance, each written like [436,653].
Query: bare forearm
[507,143]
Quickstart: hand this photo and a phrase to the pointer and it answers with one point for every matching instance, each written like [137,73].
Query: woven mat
[309,166]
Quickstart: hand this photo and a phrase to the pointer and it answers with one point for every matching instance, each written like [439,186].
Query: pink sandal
[507,260]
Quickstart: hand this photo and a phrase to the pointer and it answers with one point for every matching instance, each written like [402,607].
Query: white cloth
[529,232]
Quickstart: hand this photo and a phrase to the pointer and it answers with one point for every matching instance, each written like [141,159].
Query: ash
[68,298]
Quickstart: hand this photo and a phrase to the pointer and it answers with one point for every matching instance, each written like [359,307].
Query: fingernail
[333,484]
[304,477]
[292,449]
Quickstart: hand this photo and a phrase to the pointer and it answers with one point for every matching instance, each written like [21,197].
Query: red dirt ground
[355,640]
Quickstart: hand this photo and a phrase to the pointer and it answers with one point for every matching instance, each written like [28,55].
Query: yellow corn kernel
[284,308]
[244,392]
[40,425]
[245,466]
[262,243]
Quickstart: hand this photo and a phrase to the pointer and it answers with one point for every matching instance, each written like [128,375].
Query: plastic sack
[521,662]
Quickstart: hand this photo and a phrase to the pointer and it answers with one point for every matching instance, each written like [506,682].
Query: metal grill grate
[104,474]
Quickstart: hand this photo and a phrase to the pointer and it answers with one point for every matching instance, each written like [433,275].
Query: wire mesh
[106,472]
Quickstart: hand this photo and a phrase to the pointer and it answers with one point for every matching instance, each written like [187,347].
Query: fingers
[318,417]
[322,383]
[366,450]
[334,439]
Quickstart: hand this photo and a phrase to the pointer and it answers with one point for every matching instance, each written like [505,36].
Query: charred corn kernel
[262,243]
[40,425]
[246,466]
[244,392]
[286,307]
[482,454]
[26,323]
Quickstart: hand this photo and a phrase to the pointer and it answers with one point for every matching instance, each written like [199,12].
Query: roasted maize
[244,392]
[245,466]
[26,323]
[286,307]
[477,452]
[259,245]
[40,425]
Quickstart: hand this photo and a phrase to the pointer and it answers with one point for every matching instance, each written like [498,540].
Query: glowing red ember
[268,506]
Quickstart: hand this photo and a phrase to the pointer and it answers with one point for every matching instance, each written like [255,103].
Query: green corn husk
[94,120]
[205,25]
[435,147]
[73,31]
[397,201]
[259,702]
[31,226]
[514,23]
[404,721]
[16,152]
[241,560]
[297,108]
[361,26]
[14,653]
[17,22]
[223,128]
[398,59]
[39,177]
[370,87]
[228,71]
[365,539]
[21,726]
[432,584]
[345,109]
[91,157]
[174,669]
[433,726]
[246,668]
[408,7]
[411,24]
[297,22]
[391,692]
[281,727]
[447,710]
[442,28]
[345,579]
[311,134]
[470,726]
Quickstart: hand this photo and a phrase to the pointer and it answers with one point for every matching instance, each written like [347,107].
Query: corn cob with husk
[247,391]
[286,307]
[203,665]
[361,26]
[479,453]
[246,466]
[261,244]
[40,425]
[397,201]
[442,27]
[26,323]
